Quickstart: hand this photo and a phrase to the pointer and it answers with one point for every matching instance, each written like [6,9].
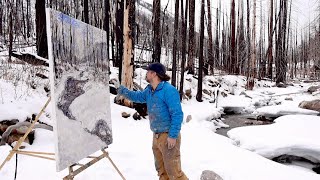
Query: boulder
[312,105]
[281,85]
[208,92]
[125,115]
[288,99]
[188,93]
[209,175]
[136,116]
[189,118]
[312,89]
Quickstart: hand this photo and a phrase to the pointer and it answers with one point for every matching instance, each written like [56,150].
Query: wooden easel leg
[73,173]
[107,155]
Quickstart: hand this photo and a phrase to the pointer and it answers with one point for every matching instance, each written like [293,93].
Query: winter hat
[160,70]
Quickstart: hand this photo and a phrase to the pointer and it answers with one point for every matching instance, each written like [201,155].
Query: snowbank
[296,135]
[281,110]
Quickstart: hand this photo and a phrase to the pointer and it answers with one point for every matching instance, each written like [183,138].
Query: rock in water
[210,175]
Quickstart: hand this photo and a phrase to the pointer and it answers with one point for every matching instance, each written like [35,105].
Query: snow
[296,135]
[280,110]
[201,149]
[131,151]
[18,104]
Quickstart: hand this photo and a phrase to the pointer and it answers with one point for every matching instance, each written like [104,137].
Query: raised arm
[135,96]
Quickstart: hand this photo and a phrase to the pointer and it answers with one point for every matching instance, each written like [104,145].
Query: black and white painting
[79,79]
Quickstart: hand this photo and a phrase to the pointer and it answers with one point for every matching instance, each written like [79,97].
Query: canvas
[79,76]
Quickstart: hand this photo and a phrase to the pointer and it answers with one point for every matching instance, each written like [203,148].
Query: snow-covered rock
[296,135]
[281,110]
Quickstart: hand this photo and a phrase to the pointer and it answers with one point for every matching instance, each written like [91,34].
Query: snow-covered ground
[201,149]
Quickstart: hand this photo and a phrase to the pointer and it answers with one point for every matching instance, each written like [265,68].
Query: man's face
[150,76]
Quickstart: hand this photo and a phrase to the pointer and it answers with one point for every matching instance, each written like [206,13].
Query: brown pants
[167,161]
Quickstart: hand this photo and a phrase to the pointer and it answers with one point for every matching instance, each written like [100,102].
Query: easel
[49,156]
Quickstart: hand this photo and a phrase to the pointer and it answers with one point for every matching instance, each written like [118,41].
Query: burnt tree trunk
[184,44]
[107,23]
[86,11]
[199,92]
[119,35]
[42,46]
[191,46]
[156,31]
[270,46]
[174,46]
[234,66]
[210,51]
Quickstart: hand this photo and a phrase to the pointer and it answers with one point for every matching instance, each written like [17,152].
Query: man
[165,115]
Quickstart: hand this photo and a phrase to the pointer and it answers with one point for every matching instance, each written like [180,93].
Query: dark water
[238,120]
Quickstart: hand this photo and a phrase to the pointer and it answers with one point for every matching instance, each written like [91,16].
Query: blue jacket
[164,107]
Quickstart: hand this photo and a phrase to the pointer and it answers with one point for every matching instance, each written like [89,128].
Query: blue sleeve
[173,102]
[135,96]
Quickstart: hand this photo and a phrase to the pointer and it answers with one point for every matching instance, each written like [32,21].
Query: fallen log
[22,128]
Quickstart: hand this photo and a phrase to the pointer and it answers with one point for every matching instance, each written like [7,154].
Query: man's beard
[147,79]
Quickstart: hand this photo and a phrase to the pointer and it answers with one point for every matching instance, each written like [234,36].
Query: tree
[217,42]
[248,39]
[28,21]
[128,53]
[184,43]
[210,51]
[234,64]
[86,11]
[199,92]
[174,47]
[42,46]
[252,73]
[1,14]
[281,58]
[119,35]
[10,7]
[241,41]
[270,42]
[107,22]
[262,62]
[156,31]
[191,46]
